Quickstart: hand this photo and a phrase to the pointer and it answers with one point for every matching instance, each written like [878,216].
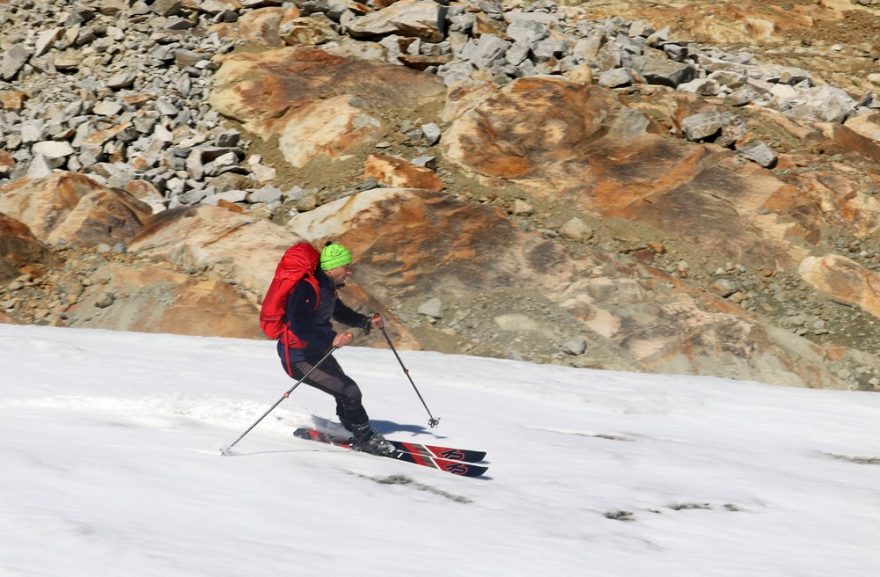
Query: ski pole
[226,450]
[431,420]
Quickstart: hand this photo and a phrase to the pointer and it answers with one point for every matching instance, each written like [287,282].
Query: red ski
[412,453]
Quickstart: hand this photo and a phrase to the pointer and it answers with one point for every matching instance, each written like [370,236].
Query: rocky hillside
[662,186]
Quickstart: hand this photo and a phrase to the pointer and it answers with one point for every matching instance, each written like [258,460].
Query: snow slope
[109,444]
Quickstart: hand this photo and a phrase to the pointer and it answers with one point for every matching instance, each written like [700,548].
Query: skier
[313,336]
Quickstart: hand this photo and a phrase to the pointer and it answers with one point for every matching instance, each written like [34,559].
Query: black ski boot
[365,439]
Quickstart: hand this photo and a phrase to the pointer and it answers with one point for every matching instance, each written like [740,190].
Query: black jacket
[312,325]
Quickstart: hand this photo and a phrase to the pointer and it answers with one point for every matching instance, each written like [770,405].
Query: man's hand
[374,322]
[342,339]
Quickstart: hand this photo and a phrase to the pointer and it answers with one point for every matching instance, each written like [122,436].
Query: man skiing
[310,306]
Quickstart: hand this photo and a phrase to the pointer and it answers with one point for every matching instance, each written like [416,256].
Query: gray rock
[193,196]
[783,75]
[431,133]
[825,104]
[701,86]
[587,49]
[462,22]
[658,38]
[425,161]
[229,181]
[704,125]
[166,108]
[576,229]
[164,52]
[67,63]
[616,77]
[108,108]
[667,72]
[224,163]
[228,138]
[162,134]
[575,346]
[90,155]
[118,174]
[735,129]
[675,52]
[760,153]
[724,287]
[484,52]
[122,79]
[144,124]
[730,78]
[745,95]
[194,165]
[517,53]
[455,72]
[39,167]
[31,132]
[13,60]
[526,31]
[640,28]
[295,193]
[549,48]
[52,150]
[266,194]
[46,39]
[184,57]
[432,308]
[609,56]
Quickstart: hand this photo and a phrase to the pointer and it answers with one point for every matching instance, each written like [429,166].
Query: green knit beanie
[334,256]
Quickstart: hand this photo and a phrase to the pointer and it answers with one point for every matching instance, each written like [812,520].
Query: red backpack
[299,262]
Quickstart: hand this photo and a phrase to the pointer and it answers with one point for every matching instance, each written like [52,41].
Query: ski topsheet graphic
[448,459]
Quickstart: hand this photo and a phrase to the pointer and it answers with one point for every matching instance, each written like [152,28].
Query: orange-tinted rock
[315,103]
[153,299]
[73,208]
[18,247]
[398,173]
[575,143]
[844,280]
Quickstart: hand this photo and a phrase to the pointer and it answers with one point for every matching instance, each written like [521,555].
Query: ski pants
[331,379]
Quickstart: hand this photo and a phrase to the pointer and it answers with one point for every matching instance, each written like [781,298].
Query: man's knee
[351,395]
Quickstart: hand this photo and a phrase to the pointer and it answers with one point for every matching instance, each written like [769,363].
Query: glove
[374,318]
[368,325]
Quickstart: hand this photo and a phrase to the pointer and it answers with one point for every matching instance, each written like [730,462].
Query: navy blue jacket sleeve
[348,316]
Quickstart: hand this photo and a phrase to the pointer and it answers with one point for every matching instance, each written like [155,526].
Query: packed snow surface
[111,465]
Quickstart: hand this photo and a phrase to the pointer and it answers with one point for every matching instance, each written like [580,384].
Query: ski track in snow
[174,412]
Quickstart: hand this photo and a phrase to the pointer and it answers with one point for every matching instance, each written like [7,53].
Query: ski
[448,453]
[433,451]
[423,458]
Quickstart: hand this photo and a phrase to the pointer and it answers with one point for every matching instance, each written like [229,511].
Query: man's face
[339,274]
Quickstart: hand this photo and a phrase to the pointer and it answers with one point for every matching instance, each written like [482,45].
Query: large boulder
[148,298]
[70,207]
[414,18]
[576,144]
[844,280]
[18,247]
[233,245]
[317,104]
